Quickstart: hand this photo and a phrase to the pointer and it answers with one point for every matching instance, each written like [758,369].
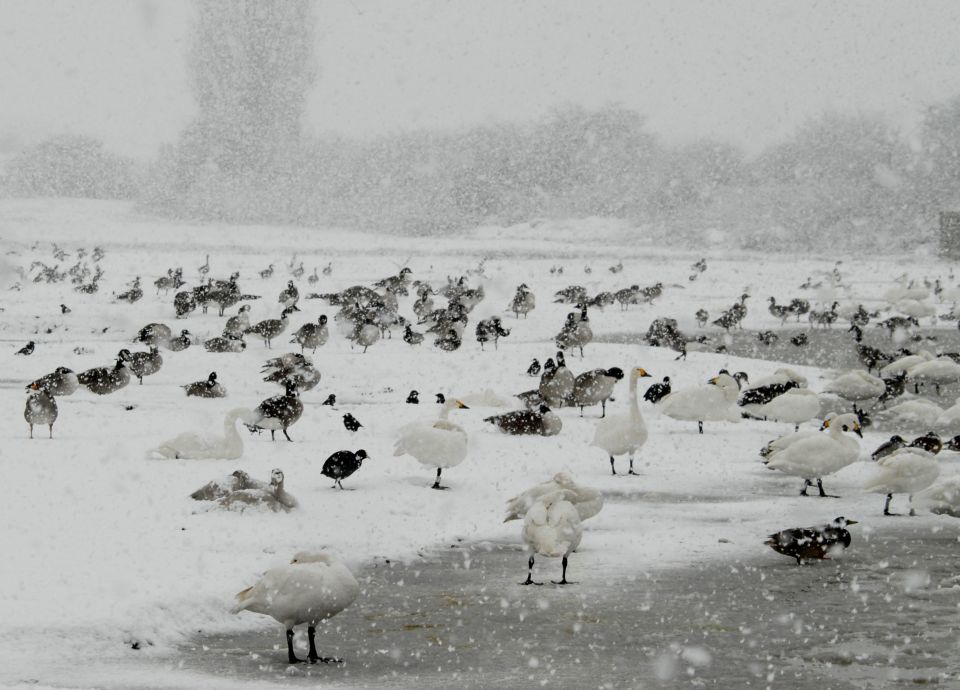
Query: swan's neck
[445,410]
[634,405]
[231,435]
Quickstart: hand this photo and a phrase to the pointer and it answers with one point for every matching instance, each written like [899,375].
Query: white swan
[940,372]
[816,456]
[921,412]
[551,528]
[485,398]
[942,498]
[915,308]
[623,434]
[788,440]
[903,364]
[587,501]
[907,471]
[855,386]
[312,588]
[437,444]
[715,402]
[193,446]
[795,406]
[951,415]
[781,375]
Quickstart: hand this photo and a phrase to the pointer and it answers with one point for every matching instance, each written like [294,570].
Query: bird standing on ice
[551,528]
[439,444]
[311,589]
[906,471]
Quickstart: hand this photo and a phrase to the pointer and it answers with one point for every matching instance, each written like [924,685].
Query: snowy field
[107,558]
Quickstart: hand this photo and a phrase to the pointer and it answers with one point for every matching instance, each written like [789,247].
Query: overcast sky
[745,71]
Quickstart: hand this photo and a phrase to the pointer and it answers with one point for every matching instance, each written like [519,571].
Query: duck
[153,334]
[812,543]
[587,501]
[888,447]
[623,434]
[534,368]
[295,367]
[273,496]
[268,329]
[941,371]
[236,325]
[543,422]
[27,349]
[556,383]
[209,388]
[145,363]
[594,386]
[60,382]
[104,380]
[413,398]
[816,456]
[279,412]
[181,342]
[715,402]
[440,443]
[193,446]
[930,442]
[218,488]
[856,386]
[312,335]
[312,588]
[225,343]
[410,336]
[905,471]
[41,408]
[795,406]
[551,528]
[342,464]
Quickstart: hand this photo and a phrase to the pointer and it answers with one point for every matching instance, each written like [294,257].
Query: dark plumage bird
[413,398]
[342,464]
[449,341]
[929,442]
[41,408]
[534,368]
[351,423]
[441,398]
[64,309]
[206,389]
[767,338]
[800,339]
[764,394]
[886,448]
[658,391]
[542,422]
[491,330]
[702,316]
[27,349]
[278,412]
[811,543]
[411,337]
[331,400]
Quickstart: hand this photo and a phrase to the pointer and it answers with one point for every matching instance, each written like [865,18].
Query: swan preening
[312,588]
[194,446]
[551,528]
[439,444]
[623,434]
[587,501]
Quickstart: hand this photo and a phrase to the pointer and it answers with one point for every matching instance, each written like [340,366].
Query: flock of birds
[315,586]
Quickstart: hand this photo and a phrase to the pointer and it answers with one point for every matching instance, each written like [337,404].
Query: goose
[623,434]
[62,381]
[103,380]
[184,302]
[811,543]
[439,444]
[942,497]
[556,383]
[715,402]
[294,367]
[203,270]
[594,386]
[576,332]
[761,395]
[289,295]
[895,443]
[816,456]
[145,363]
[448,342]
[627,296]
[534,368]
[523,301]
[796,406]
[225,343]
[133,294]
[779,311]
[856,386]
[313,278]
[268,329]
[312,335]
[218,488]
[343,464]
[658,391]
[520,422]
[273,496]
[41,408]
[236,325]
[279,412]
[181,342]
[871,357]
[424,303]
[206,389]
[551,528]
[413,398]
[781,375]
[942,371]
[587,501]
[267,272]
[193,446]
[906,471]
[767,338]
[328,269]
[312,588]
[365,334]
[153,334]
[702,316]
[491,329]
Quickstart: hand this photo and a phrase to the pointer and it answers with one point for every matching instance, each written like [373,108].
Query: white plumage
[942,498]
[907,471]
[623,434]
[795,406]
[940,372]
[714,402]
[856,385]
[920,412]
[312,588]
[551,528]
[193,446]
[439,444]
[902,365]
[587,501]
[814,456]
[781,375]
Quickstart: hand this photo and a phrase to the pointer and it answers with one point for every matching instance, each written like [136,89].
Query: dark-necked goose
[594,386]
[268,329]
[290,295]
[225,343]
[60,382]
[106,380]
[145,363]
[279,412]
[153,334]
[181,342]
[206,389]
[542,422]
[41,408]
[556,384]
[312,335]
[236,325]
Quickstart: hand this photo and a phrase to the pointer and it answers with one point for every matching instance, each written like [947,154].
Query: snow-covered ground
[105,551]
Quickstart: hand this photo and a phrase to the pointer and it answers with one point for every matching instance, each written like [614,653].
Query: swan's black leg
[612,469]
[806,483]
[631,468]
[886,505]
[436,484]
[563,578]
[291,657]
[529,580]
[272,431]
[700,426]
[287,435]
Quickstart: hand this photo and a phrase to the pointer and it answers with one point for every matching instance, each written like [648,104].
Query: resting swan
[816,456]
[907,471]
[193,446]
[551,528]
[588,502]
[435,444]
[716,402]
[312,588]
[623,434]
